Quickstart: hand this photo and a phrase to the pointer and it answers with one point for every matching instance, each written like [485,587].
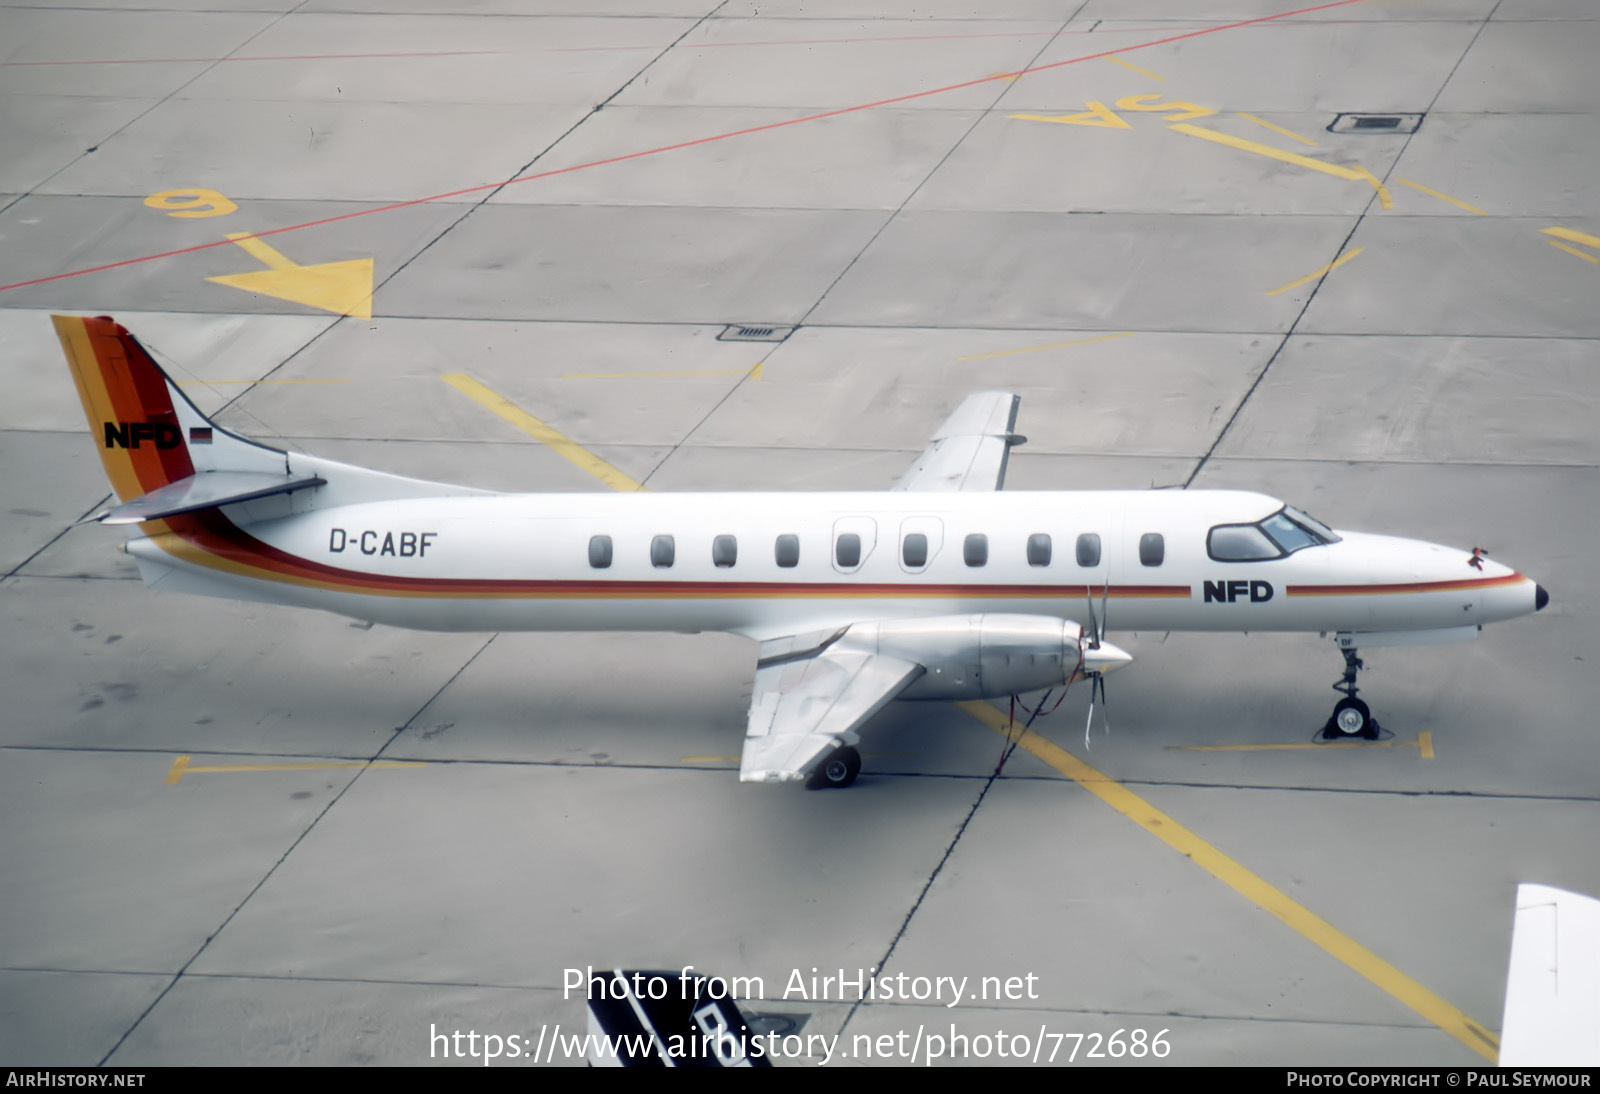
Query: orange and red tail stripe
[120,384]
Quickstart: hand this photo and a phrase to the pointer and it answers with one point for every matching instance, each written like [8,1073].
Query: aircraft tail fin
[150,436]
[165,458]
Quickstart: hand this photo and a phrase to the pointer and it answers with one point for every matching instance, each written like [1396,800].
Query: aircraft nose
[1540,598]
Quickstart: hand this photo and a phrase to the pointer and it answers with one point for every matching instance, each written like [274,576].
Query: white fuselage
[523,562]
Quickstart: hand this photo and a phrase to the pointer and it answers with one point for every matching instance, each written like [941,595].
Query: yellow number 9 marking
[192,203]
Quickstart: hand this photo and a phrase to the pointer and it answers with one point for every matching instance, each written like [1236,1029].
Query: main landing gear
[1351,717]
[837,770]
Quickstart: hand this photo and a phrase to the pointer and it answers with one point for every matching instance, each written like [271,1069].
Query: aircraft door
[853,541]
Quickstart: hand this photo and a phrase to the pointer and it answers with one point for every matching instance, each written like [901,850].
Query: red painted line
[290,57]
[675,147]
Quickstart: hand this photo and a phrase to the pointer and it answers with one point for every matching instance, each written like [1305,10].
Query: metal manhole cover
[1376,123]
[754,332]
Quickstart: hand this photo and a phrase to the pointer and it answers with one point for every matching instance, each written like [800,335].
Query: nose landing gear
[1351,717]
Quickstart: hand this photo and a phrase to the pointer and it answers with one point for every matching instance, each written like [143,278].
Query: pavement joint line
[1247,884]
[553,438]
[494,186]
[1053,345]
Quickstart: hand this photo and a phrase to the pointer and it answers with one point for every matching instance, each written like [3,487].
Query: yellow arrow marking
[1098,115]
[1423,743]
[1573,251]
[1314,274]
[1576,237]
[1248,885]
[559,442]
[1053,345]
[344,288]
[182,767]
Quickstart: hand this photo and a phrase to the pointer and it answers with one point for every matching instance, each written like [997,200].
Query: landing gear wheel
[837,770]
[1351,718]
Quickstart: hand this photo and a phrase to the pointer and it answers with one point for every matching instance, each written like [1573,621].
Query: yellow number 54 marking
[191,203]
[1185,110]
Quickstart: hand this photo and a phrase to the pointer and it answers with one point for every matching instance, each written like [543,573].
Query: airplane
[944,587]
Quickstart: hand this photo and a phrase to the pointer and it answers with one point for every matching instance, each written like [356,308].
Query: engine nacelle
[983,656]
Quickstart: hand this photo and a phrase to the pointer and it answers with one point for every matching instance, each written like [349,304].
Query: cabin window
[724,551]
[1089,549]
[788,551]
[1038,549]
[914,550]
[847,550]
[1240,543]
[1152,549]
[662,551]
[975,551]
[600,552]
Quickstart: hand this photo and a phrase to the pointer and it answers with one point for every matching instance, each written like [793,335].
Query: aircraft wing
[1552,1013]
[969,451]
[809,699]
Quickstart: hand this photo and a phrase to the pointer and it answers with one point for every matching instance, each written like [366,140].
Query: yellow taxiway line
[1248,885]
[559,442]
[1423,744]
[1291,134]
[1314,274]
[1136,68]
[182,767]
[1442,197]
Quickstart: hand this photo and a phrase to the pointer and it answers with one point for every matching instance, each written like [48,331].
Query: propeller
[1097,677]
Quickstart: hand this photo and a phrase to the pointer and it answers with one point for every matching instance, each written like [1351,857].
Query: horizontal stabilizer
[1552,1013]
[206,490]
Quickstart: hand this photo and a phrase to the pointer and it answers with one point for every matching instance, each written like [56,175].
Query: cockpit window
[1283,533]
[1240,543]
[1306,520]
[1287,534]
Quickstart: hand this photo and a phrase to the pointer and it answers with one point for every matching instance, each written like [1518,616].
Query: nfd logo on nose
[163,435]
[1257,592]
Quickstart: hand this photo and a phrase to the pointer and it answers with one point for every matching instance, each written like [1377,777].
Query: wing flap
[803,709]
[206,490]
[969,451]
